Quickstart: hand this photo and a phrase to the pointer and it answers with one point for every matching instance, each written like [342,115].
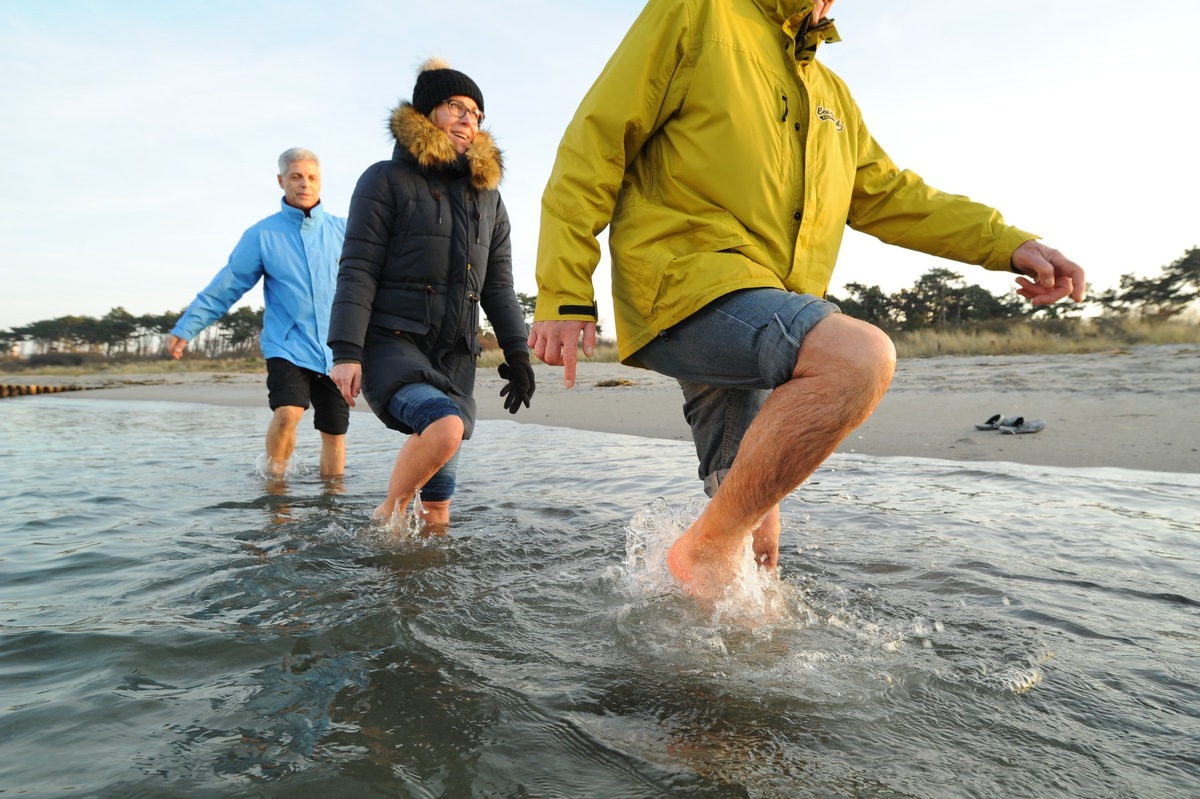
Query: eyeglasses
[459,111]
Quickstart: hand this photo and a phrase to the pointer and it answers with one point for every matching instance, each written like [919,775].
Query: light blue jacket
[297,258]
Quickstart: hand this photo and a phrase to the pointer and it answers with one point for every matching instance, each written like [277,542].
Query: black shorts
[289,384]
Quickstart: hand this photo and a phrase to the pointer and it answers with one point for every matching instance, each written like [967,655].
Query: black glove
[519,374]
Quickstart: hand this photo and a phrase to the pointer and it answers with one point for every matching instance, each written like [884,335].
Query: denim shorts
[727,357]
[292,385]
[419,405]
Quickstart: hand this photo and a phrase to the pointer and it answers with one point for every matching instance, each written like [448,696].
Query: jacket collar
[792,17]
[428,145]
[317,212]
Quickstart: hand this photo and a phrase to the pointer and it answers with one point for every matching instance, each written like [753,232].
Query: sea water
[173,624]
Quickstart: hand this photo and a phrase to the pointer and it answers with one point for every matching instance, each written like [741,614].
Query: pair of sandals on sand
[1012,424]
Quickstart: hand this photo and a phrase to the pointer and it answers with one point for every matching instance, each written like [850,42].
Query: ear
[280,179]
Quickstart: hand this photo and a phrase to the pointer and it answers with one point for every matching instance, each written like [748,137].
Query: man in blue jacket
[295,253]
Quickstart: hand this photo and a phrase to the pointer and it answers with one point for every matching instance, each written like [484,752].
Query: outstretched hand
[555,342]
[176,346]
[520,386]
[1048,274]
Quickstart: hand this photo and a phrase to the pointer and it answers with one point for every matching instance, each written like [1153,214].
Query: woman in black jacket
[427,245]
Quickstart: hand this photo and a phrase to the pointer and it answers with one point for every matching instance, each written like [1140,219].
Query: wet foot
[705,567]
[434,529]
[389,513]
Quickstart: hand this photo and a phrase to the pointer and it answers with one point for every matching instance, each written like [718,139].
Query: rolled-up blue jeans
[728,357]
[419,405]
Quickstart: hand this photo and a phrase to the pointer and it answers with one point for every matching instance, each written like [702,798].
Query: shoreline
[1136,408]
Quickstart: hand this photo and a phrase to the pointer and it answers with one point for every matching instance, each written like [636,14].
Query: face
[460,130]
[301,184]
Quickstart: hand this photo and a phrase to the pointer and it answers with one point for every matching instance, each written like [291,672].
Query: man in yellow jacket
[728,162]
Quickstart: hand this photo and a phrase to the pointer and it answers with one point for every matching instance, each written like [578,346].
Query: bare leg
[436,512]
[419,459]
[842,371]
[435,517]
[281,438]
[333,455]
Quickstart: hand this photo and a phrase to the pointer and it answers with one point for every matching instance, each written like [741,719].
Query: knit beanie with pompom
[436,82]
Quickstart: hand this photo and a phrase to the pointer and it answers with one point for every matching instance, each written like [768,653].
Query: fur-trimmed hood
[432,148]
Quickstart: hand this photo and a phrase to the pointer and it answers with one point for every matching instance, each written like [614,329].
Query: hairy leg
[842,371]
[281,438]
[333,455]
[419,459]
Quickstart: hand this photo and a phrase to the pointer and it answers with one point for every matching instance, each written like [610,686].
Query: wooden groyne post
[22,390]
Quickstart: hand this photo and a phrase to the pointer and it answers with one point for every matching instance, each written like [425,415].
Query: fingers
[589,339]
[1071,272]
[543,342]
[1031,259]
[1050,275]
[556,342]
[1039,295]
[569,359]
[348,378]
[514,398]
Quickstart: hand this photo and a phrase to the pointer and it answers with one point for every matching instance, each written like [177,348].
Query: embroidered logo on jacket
[825,115]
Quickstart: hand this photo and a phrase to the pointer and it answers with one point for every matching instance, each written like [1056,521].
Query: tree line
[120,334]
[939,299]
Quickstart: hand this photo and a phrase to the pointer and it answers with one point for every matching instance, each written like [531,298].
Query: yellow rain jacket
[727,158]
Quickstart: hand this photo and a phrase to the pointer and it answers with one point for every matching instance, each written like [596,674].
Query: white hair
[295,154]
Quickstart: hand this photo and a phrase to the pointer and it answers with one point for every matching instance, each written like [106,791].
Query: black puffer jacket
[427,245]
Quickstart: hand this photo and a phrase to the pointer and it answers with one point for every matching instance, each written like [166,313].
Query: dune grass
[1044,337]
[1023,337]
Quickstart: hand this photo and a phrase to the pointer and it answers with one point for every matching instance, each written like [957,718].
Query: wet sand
[1136,408]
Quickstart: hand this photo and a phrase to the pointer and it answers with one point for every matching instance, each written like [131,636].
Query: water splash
[405,526]
[757,596]
[295,468]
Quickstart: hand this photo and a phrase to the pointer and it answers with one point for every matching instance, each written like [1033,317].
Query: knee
[289,415]
[877,350]
[849,349]
[445,433]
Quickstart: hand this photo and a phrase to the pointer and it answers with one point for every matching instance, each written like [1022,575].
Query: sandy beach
[1135,408]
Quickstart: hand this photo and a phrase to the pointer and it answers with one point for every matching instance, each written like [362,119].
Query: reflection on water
[183,626]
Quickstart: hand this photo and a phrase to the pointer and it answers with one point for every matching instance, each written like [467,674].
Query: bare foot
[704,564]
[386,512]
[434,529]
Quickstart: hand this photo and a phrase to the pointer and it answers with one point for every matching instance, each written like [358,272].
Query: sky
[139,137]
